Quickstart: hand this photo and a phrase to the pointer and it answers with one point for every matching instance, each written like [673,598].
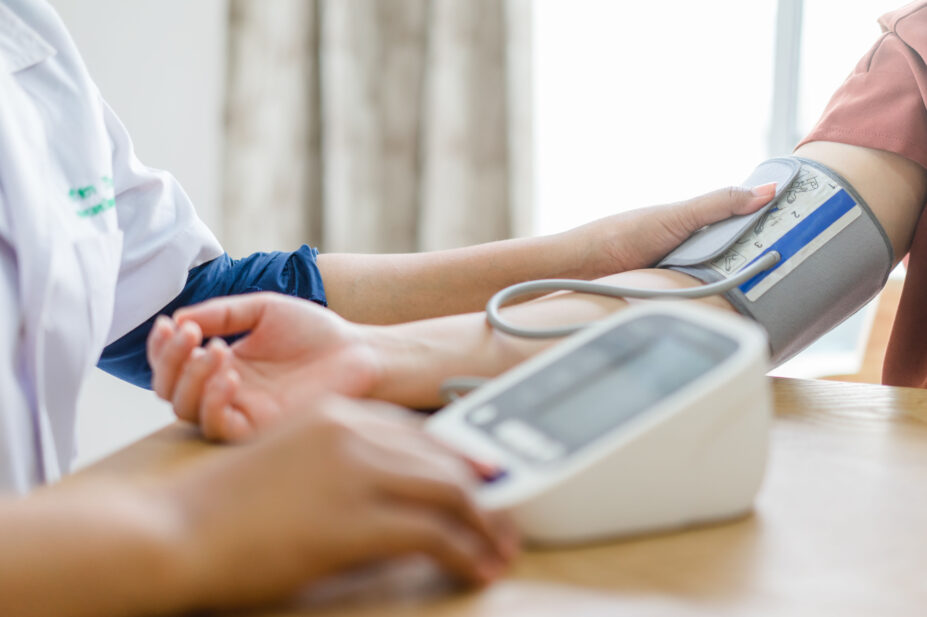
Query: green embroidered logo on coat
[94,199]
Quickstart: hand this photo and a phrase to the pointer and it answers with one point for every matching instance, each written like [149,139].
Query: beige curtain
[377,125]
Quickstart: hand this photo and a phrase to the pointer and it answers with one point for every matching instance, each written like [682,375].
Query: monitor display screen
[613,378]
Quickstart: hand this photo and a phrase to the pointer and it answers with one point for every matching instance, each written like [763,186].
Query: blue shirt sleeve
[295,274]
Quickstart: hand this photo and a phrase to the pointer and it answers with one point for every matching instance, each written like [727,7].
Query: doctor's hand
[293,350]
[350,483]
[641,238]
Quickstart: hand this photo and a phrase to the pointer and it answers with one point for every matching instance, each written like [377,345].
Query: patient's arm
[428,352]
[894,187]
[295,347]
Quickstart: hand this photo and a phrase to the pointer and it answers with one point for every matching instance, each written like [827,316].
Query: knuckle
[456,496]
[437,536]
[735,193]
[682,219]
[333,433]
[200,368]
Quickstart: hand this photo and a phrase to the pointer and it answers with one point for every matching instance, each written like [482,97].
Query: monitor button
[484,415]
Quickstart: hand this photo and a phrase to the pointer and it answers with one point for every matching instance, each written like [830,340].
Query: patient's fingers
[174,353]
[219,419]
[229,315]
[161,331]
[195,372]
[217,397]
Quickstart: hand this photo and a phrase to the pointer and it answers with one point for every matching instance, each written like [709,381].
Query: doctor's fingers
[406,529]
[406,465]
[199,367]
[455,501]
[166,368]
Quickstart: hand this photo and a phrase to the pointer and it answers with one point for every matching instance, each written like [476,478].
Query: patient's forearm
[417,357]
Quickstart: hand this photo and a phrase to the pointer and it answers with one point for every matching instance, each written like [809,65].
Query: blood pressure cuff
[294,274]
[834,254]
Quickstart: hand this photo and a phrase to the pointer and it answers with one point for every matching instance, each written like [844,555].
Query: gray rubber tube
[765,262]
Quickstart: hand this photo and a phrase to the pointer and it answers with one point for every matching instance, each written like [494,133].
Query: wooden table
[840,528]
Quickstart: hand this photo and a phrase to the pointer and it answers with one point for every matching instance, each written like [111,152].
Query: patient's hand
[293,350]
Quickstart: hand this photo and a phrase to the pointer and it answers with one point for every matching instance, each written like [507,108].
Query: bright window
[637,106]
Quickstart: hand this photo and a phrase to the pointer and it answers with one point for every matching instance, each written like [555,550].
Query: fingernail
[764,190]
[160,332]
[484,470]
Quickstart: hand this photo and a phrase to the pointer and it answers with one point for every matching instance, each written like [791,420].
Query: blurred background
[400,125]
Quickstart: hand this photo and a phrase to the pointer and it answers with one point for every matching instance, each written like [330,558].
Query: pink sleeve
[881,104]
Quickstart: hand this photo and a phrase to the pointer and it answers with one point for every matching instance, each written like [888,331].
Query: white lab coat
[92,243]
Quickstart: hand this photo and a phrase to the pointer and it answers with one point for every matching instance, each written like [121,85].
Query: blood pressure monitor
[653,419]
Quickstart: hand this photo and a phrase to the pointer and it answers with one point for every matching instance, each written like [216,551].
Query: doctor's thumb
[725,203]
